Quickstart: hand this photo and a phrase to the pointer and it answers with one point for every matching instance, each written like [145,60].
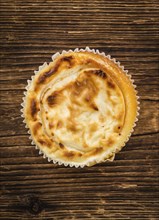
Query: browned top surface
[88,105]
[31,31]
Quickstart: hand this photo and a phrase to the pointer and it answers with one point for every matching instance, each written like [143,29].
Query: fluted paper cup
[28,87]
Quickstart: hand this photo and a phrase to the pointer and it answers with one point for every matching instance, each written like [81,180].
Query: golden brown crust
[80,108]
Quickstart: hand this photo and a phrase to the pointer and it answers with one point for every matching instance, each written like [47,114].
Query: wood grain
[32,188]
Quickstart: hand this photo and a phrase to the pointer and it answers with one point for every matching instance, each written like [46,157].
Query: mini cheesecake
[81,108]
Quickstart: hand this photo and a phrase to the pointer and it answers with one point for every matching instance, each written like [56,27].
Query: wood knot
[35,206]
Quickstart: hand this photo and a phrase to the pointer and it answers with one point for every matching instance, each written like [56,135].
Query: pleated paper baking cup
[81,108]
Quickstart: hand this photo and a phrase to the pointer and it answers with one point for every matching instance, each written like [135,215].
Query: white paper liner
[73,164]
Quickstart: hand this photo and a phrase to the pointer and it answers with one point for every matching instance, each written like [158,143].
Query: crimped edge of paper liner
[109,157]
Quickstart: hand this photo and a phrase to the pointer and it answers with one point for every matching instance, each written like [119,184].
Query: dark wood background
[32,188]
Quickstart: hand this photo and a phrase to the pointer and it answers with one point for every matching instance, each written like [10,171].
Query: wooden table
[32,188]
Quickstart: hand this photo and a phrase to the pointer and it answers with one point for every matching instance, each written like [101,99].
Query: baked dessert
[81,108]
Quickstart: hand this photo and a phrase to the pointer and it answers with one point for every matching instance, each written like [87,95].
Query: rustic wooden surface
[32,188]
